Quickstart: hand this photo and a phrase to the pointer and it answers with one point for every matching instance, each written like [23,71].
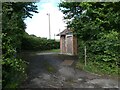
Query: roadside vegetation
[13,29]
[53,50]
[96,26]
[34,43]
[15,39]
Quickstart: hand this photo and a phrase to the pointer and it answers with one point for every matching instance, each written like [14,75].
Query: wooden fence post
[85,55]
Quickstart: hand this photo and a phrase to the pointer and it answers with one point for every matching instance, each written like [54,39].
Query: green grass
[49,67]
[79,66]
[99,68]
[53,50]
[23,54]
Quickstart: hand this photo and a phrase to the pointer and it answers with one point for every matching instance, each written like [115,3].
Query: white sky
[39,24]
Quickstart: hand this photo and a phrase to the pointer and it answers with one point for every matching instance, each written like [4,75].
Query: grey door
[69,44]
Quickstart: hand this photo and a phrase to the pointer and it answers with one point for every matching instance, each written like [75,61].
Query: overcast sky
[39,24]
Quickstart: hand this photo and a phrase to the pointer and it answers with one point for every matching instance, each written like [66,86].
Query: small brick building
[68,42]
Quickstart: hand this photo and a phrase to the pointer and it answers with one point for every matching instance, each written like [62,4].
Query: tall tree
[13,28]
[96,26]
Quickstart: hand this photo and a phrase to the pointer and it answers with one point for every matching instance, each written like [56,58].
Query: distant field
[53,50]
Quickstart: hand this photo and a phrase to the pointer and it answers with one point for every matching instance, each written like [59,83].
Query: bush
[102,54]
[31,42]
[13,67]
[13,28]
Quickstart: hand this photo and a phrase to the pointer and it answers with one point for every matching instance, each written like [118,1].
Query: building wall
[74,45]
[62,44]
[68,44]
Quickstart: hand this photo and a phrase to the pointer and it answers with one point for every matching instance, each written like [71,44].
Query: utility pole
[54,36]
[59,30]
[49,25]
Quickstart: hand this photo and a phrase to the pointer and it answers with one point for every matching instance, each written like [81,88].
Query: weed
[49,67]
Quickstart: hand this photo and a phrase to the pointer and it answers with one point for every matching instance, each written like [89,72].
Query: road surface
[45,70]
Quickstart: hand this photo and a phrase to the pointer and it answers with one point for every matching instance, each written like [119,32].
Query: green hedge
[31,42]
[102,54]
[96,26]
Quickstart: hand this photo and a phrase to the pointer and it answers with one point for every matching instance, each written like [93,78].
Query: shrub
[31,42]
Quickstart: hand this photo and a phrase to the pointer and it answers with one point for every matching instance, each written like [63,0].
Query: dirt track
[46,71]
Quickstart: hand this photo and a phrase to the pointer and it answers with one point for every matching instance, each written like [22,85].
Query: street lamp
[49,25]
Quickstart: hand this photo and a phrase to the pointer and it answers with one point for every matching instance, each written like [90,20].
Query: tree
[96,26]
[13,28]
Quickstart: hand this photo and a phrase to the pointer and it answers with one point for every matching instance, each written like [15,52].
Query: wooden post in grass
[85,55]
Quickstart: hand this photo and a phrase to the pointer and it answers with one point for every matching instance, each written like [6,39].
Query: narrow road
[45,70]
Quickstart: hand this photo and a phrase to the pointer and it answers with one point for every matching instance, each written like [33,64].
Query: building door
[69,44]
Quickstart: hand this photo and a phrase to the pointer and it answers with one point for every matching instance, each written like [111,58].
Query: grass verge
[99,68]
[53,50]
